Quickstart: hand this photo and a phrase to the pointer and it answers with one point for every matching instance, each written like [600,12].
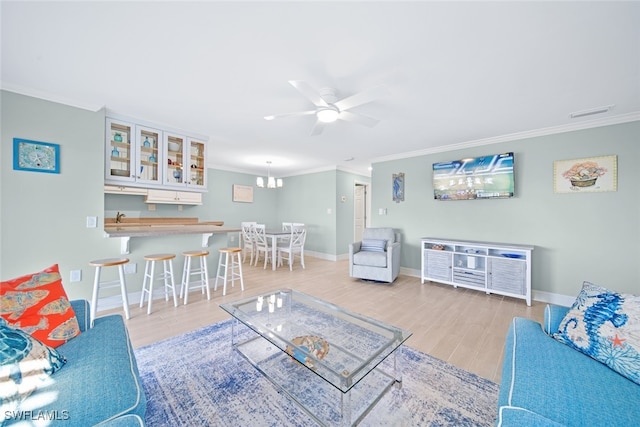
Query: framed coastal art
[242,193]
[398,187]
[587,175]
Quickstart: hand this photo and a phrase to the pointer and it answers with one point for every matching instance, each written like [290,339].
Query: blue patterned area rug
[198,379]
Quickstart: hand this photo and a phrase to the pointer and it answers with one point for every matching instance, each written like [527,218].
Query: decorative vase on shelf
[152,158]
[177,174]
[115,153]
[146,142]
[117,137]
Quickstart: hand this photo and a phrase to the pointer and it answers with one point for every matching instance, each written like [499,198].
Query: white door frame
[367,206]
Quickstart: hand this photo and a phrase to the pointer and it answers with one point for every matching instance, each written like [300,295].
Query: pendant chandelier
[271,181]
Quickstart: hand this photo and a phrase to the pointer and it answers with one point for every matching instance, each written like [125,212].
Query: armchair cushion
[373,245]
[372,259]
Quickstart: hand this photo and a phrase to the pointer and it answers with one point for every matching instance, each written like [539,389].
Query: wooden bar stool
[166,275]
[231,265]
[97,284]
[203,283]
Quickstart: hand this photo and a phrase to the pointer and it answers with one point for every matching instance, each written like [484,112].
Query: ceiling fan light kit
[327,115]
[329,109]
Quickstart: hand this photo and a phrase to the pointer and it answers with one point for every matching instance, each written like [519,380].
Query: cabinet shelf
[120,159]
[492,267]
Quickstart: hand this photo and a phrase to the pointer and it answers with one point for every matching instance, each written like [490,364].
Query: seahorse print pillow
[38,304]
[605,325]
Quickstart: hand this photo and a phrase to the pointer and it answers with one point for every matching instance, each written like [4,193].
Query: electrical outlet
[151,207]
[75,276]
[92,221]
[130,268]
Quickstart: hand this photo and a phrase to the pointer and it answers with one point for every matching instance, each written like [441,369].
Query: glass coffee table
[334,363]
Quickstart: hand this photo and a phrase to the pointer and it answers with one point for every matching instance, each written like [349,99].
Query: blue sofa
[99,384]
[547,383]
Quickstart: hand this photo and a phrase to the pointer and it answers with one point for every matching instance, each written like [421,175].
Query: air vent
[591,111]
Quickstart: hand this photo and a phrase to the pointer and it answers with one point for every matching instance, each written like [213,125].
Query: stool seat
[195,253]
[98,284]
[230,260]
[166,275]
[108,262]
[159,257]
[187,272]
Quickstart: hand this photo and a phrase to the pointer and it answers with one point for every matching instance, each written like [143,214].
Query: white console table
[497,268]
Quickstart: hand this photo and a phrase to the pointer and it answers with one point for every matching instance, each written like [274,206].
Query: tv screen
[484,177]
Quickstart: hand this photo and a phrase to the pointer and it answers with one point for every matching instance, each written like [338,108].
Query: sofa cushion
[100,381]
[38,304]
[373,245]
[370,259]
[604,325]
[25,364]
[559,383]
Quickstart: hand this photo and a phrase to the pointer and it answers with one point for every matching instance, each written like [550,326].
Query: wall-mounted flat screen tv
[485,177]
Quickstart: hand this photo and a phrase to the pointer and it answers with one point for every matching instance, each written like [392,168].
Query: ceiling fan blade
[358,118]
[299,113]
[362,98]
[318,128]
[310,93]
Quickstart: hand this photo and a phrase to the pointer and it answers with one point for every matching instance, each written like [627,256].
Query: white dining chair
[262,244]
[248,244]
[294,246]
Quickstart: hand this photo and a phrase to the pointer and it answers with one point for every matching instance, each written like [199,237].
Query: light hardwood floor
[464,327]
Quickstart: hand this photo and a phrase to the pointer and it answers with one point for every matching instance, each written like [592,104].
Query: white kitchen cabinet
[173,197]
[140,154]
[491,267]
[120,189]
[132,154]
[185,167]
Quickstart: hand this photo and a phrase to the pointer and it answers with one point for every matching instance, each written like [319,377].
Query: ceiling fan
[329,108]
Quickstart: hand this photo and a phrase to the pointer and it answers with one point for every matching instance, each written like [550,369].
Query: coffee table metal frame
[357,366]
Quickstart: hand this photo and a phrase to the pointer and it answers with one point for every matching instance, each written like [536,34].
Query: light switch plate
[92,221]
[75,276]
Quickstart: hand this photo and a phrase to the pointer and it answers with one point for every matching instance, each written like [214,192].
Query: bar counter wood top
[156,227]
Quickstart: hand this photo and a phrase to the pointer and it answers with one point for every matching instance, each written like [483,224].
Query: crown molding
[587,124]
[47,96]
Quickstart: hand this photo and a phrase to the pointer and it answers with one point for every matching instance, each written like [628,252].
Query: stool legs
[166,283]
[230,265]
[96,289]
[187,273]
[94,296]
[123,290]
[150,277]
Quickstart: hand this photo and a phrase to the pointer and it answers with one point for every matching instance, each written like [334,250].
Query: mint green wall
[43,215]
[577,237]
[306,198]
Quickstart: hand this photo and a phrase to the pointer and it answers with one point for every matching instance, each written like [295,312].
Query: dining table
[274,235]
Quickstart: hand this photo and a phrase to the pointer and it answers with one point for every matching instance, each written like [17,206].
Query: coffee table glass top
[340,346]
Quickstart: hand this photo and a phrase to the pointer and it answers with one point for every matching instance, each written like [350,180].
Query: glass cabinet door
[174,149]
[120,156]
[148,155]
[197,164]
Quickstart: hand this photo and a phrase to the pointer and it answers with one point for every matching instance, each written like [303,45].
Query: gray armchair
[377,256]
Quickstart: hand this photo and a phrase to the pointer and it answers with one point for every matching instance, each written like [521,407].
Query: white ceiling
[459,73]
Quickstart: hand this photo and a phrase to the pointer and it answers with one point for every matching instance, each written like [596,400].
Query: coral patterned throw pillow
[38,304]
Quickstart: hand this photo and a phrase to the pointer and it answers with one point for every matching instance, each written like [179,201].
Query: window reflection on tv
[485,177]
